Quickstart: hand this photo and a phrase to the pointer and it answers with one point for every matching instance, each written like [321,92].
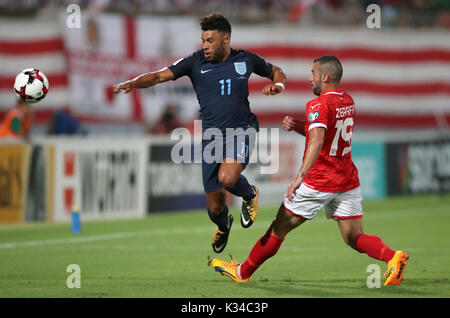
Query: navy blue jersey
[222,87]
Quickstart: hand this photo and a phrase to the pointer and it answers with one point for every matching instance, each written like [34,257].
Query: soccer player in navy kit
[220,76]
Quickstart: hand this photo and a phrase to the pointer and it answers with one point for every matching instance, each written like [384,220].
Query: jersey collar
[333,92]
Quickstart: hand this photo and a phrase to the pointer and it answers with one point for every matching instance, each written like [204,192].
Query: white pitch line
[177,230]
[113,236]
[70,240]
[103,237]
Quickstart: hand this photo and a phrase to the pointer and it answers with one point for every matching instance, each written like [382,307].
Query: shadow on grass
[341,288]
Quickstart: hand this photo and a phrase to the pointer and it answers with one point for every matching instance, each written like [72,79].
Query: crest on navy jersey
[240,67]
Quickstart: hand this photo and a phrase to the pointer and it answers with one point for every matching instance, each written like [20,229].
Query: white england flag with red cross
[398,78]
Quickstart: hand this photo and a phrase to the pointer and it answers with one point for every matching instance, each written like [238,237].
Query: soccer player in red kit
[327,179]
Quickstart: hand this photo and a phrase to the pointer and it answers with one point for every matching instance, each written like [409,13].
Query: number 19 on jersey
[344,133]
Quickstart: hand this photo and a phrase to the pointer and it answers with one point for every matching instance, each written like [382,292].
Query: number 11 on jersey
[222,86]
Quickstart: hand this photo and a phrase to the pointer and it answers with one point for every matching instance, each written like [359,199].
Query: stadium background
[115,162]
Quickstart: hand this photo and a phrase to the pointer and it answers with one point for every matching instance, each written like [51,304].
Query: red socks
[373,246]
[266,247]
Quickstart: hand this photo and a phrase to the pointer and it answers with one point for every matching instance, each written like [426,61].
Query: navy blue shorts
[238,147]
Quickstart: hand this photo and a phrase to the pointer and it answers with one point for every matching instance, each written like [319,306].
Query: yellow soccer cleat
[396,268]
[228,269]
[249,210]
[219,238]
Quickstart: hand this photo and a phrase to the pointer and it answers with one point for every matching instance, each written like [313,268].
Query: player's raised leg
[373,246]
[231,178]
[266,247]
[219,215]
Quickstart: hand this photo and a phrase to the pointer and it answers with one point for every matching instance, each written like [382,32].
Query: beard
[218,55]
[317,90]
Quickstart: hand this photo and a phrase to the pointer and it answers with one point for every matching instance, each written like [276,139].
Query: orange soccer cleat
[396,268]
[228,269]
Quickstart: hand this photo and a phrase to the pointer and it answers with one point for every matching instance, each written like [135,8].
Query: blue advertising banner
[369,158]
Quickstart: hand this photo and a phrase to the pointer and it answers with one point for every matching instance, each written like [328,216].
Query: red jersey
[333,170]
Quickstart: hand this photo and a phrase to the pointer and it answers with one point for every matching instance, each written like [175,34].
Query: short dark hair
[333,66]
[215,21]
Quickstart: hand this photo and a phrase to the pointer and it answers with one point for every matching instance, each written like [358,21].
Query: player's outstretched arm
[144,81]
[279,80]
[290,123]
[312,151]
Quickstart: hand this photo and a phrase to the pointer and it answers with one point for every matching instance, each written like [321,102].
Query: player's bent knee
[227,180]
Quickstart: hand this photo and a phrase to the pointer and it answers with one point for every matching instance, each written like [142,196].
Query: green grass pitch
[166,255]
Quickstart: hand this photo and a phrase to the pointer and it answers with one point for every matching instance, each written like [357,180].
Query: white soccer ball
[31,85]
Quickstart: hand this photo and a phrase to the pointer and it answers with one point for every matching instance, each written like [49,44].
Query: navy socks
[221,220]
[242,189]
